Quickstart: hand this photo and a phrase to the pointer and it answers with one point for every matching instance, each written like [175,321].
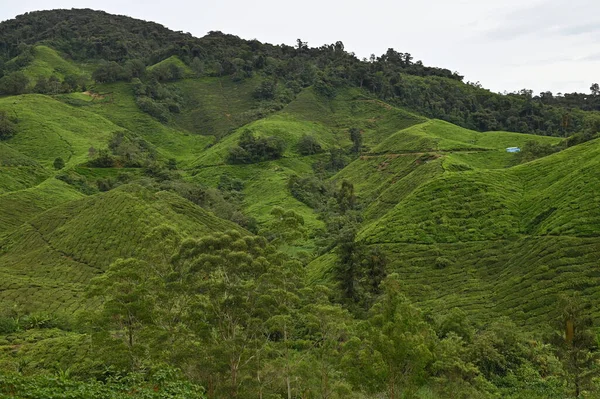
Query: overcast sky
[505,44]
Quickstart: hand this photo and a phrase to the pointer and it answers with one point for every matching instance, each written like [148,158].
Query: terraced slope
[504,241]
[47,62]
[55,254]
[48,129]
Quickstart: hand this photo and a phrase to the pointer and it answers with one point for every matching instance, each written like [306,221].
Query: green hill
[47,62]
[405,251]
[56,253]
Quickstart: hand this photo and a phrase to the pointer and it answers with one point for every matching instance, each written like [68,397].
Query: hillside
[217,217]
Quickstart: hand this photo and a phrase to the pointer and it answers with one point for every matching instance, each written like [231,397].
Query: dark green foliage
[336,161]
[14,83]
[110,72]
[131,151]
[345,197]
[79,182]
[533,150]
[266,90]
[576,344]
[103,159]
[252,149]
[356,138]
[8,127]
[308,145]
[311,190]
[58,163]
[166,73]
[157,99]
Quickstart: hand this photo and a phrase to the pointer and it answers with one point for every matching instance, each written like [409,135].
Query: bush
[308,145]
[59,163]
[442,263]
[266,90]
[103,160]
[158,110]
[110,72]
[251,149]
[13,84]
[7,127]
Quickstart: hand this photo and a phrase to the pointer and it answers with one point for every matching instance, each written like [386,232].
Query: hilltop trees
[252,149]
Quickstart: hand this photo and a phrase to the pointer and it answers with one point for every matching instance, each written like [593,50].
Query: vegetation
[214,217]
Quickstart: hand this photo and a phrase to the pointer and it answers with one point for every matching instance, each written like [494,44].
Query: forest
[215,217]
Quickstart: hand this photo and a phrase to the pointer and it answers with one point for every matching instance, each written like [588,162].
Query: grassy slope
[514,238]
[18,171]
[216,106]
[48,62]
[118,106]
[49,129]
[18,207]
[55,254]
[173,60]
[326,120]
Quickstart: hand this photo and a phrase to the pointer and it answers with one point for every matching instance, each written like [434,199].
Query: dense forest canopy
[394,76]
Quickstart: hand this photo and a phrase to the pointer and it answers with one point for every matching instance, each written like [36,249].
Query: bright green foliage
[47,62]
[171,68]
[164,383]
[285,227]
[577,345]
[402,339]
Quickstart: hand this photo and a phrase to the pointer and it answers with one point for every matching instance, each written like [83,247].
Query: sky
[506,45]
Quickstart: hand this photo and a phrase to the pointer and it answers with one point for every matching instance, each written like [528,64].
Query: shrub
[7,127]
[59,163]
[308,145]
[251,149]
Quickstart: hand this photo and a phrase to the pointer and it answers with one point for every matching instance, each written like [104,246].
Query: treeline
[124,46]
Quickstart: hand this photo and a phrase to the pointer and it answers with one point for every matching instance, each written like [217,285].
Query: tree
[226,277]
[127,308]
[7,127]
[286,227]
[576,344]
[345,197]
[403,340]
[308,145]
[266,90]
[15,83]
[595,89]
[59,163]
[356,138]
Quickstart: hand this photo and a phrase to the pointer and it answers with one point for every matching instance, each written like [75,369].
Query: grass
[173,60]
[48,260]
[47,62]
[216,106]
[266,186]
[118,106]
[18,207]
[282,125]
[49,129]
